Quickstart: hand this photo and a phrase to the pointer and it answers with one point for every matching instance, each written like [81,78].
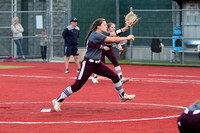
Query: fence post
[183,54]
[68,12]
[131,43]
[47,29]
[117,14]
[13,14]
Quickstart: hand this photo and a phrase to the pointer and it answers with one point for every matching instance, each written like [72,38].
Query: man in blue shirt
[70,35]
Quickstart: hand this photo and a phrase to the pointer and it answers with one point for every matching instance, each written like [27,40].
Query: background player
[111,55]
[70,35]
[95,41]
[189,121]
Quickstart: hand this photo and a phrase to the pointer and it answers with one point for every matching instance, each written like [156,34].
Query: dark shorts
[88,67]
[71,50]
[189,122]
[111,56]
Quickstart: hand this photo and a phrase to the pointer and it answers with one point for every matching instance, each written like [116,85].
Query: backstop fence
[160,24]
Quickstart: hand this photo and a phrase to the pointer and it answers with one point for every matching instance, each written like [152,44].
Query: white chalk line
[29,76]
[165,75]
[88,122]
[166,80]
[130,79]
[155,80]
[96,121]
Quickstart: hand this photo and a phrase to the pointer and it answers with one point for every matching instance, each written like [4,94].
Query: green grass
[10,67]
[157,63]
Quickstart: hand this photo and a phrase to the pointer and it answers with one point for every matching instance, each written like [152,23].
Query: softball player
[111,55]
[189,121]
[95,41]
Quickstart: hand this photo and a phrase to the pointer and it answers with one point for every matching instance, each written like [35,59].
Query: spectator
[43,44]
[17,30]
[70,35]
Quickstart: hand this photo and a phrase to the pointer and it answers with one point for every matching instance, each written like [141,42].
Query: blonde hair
[198,101]
[13,21]
[109,24]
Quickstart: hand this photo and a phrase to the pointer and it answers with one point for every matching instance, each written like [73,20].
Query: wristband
[118,32]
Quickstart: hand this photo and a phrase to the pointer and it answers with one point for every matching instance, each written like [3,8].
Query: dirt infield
[162,93]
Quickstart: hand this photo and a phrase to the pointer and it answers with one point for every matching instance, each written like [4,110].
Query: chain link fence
[158,24]
[54,22]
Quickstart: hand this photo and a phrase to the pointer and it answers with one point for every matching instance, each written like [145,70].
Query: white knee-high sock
[118,71]
[67,92]
[119,88]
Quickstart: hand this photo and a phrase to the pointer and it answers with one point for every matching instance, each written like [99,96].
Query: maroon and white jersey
[95,45]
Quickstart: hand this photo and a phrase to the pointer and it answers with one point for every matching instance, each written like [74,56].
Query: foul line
[166,80]
[130,79]
[188,76]
[100,121]
[28,76]
[155,80]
